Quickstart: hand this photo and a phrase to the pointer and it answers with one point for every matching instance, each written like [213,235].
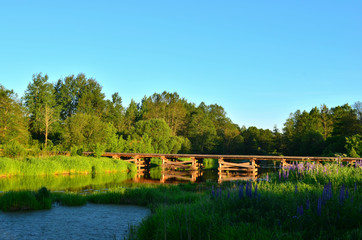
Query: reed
[61,165]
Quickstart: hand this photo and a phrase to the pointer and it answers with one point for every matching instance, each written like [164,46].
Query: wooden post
[193,163]
[221,160]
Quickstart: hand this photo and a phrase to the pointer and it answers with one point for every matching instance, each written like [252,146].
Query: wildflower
[319,207]
[347,193]
[267,177]
[228,194]
[341,195]
[241,191]
[280,175]
[296,189]
[300,210]
[213,192]
[248,189]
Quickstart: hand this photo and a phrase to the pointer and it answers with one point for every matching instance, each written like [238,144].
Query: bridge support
[231,171]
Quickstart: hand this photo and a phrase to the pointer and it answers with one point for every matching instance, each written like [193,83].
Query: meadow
[301,201]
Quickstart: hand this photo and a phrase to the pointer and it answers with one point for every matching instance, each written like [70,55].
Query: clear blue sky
[260,60]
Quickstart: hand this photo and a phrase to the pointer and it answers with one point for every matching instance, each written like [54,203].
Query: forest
[74,115]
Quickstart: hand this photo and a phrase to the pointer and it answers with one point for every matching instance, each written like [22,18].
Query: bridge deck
[226,157]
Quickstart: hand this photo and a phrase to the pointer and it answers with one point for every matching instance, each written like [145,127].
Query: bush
[14,149]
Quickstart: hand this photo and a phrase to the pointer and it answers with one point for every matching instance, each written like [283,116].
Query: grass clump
[25,200]
[69,199]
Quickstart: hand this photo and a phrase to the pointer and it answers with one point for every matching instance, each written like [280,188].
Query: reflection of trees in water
[64,182]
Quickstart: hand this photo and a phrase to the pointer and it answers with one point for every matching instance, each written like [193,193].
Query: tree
[158,134]
[131,115]
[357,106]
[345,121]
[92,99]
[327,122]
[13,121]
[68,92]
[167,106]
[114,112]
[40,101]
[85,130]
[201,131]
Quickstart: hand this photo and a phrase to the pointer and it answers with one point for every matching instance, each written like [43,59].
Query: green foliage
[13,122]
[84,130]
[155,136]
[99,150]
[74,112]
[354,146]
[40,101]
[14,149]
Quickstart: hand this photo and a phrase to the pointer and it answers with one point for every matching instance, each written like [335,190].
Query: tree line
[73,114]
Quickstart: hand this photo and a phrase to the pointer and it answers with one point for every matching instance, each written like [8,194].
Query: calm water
[104,182]
[87,222]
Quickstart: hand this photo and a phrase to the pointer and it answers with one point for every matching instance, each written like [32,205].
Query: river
[86,222]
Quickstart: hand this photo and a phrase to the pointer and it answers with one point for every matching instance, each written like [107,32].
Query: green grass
[25,200]
[61,165]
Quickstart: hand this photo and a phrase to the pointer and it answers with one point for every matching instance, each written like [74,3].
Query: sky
[260,60]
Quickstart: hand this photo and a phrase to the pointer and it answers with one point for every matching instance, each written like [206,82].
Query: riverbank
[58,165]
[305,201]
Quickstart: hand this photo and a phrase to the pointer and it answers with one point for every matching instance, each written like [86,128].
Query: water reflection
[104,182]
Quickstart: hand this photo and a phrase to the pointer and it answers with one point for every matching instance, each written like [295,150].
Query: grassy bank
[304,201]
[61,165]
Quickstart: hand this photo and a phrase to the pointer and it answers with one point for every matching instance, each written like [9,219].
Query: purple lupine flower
[347,193]
[341,194]
[218,192]
[228,194]
[280,173]
[319,207]
[327,192]
[241,191]
[213,192]
[307,204]
[248,189]
[267,177]
[300,210]
[287,174]
[296,189]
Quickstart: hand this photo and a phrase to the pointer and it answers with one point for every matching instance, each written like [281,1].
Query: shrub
[14,149]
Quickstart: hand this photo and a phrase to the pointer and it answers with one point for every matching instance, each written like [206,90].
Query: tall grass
[61,165]
[318,203]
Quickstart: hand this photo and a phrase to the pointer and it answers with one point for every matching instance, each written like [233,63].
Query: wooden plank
[247,164]
[229,157]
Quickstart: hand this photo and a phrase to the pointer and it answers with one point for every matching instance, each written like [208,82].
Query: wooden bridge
[231,167]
